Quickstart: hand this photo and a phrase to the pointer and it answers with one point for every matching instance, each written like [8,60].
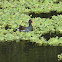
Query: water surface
[26,52]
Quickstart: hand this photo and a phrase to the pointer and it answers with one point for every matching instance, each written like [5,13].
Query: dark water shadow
[27,52]
[45,15]
[49,35]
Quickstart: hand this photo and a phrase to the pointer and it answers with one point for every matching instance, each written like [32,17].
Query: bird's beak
[32,21]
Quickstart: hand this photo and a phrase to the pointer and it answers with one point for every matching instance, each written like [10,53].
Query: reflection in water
[26,52]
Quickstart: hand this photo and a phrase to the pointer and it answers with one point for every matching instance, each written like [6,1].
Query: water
[26,52]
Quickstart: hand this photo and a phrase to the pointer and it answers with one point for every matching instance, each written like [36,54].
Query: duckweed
[60,57]
[15,13]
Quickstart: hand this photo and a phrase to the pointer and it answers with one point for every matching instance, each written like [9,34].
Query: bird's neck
[30,24]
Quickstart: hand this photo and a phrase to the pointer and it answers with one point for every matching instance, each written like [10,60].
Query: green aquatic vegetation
[9,37]
[15,13]
[59,57]
[57,24]
[2,38]
[42,7]
[59,29]
[43,41]
[60,41]
[14,26]
[55,41]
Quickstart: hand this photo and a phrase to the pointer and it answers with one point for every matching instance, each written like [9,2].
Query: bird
[26,29]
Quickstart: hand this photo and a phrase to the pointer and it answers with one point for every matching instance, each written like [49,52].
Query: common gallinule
[26,29]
